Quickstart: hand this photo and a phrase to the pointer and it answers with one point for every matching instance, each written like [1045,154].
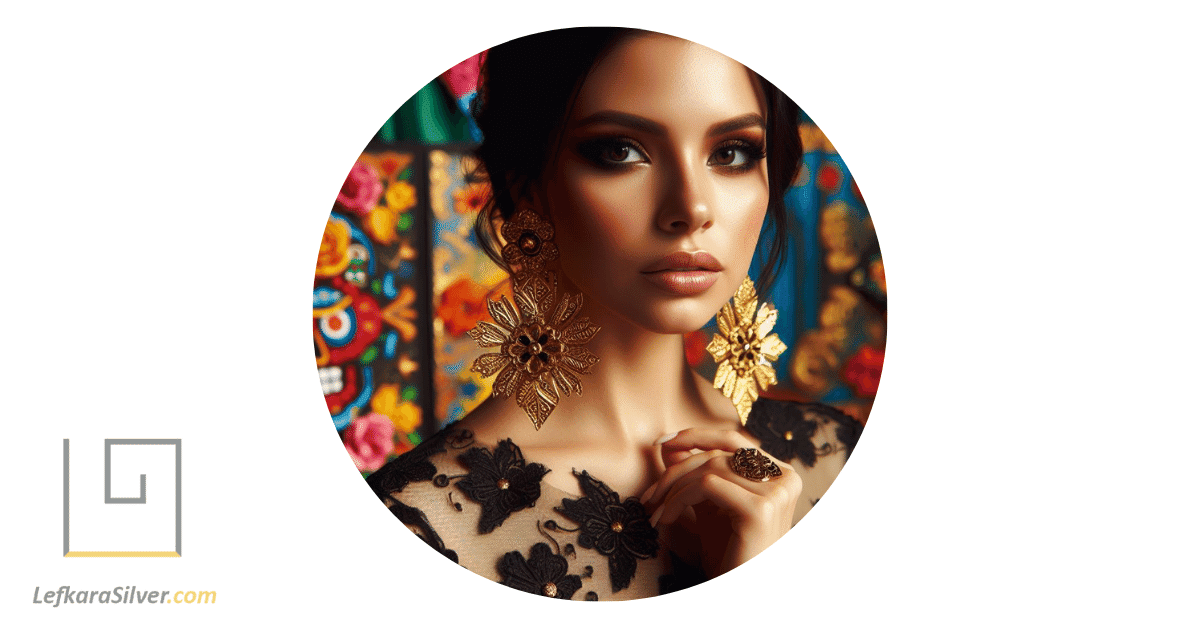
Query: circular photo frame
[599,314]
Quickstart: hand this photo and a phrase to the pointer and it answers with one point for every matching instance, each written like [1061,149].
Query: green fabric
[429,117]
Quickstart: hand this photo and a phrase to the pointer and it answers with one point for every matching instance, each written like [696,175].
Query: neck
[641,389]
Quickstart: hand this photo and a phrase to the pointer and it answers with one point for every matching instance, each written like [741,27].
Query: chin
[679,317]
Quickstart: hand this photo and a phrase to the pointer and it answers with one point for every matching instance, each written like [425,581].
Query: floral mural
[400,281]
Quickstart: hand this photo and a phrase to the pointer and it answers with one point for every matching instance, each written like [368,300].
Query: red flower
[863,369]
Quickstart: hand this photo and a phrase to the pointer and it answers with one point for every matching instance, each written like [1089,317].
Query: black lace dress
[488,509]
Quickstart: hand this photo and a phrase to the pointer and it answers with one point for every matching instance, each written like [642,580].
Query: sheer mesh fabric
[486,507]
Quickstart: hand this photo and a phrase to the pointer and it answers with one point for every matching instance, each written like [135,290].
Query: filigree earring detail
[743,350]
[541,343]
[529,245]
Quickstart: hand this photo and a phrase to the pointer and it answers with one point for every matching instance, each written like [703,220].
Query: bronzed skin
[662,153]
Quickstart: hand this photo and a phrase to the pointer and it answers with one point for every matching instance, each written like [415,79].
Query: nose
[686,205]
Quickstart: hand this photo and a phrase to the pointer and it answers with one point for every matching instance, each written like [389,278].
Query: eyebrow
[740,122]
[645,124]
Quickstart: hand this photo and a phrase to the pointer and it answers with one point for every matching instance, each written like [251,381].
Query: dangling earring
[542,350]
[529,245]
[742,349]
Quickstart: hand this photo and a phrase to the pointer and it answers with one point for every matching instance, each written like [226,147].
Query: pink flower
[368,440]
[360,193]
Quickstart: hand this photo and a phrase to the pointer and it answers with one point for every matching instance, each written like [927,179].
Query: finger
[676,471]
[721,492]
[783,490]
[706,439]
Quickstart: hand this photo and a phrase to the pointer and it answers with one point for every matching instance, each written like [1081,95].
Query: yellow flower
[743,351]
[381,225]
[405,415]
[400,196]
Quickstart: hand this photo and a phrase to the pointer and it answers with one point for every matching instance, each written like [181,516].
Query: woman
[632,174]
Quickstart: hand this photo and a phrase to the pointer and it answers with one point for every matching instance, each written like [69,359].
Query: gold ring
[752,465]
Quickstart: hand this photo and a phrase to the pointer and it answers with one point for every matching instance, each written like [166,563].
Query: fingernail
[654,517]
[648,493]
[666,438]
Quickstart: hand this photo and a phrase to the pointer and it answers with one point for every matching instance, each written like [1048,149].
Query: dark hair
[528,86]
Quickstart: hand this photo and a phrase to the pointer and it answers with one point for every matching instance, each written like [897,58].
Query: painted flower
[334,255]
[619,530]
[392,163]
[400,196]
[361,190]
[472,198]
[529,244]
[462,306]
[541,353]
[863,369]
[545,573]
[368,440]
[405,416]
[743,350]
[501,482]
[380,224]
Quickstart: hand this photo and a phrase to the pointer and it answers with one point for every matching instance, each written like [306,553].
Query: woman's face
[659,190]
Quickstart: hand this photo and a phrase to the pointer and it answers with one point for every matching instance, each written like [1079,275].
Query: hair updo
[527,88]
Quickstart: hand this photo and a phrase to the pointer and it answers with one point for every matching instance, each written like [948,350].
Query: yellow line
[122,555]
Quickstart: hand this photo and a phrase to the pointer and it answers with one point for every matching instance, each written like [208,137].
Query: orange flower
[463,305]
[334,256]
[472,198]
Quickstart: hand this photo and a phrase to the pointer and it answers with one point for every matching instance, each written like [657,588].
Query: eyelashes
[613,153]
[620,153]
[737,155]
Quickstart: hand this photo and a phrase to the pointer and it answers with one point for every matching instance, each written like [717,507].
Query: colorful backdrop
[400,279]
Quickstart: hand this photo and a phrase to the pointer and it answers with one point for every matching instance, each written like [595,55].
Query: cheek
[597,220]
[745,209]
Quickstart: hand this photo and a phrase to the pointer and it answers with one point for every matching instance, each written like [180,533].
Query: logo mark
[141,499]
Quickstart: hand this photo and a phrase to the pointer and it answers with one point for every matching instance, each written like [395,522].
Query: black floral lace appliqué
[501,482]
[785,429]
[619,530]
[545,573]
[413,466]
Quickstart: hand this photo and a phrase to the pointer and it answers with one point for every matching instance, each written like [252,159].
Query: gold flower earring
[743,350]
[542,344]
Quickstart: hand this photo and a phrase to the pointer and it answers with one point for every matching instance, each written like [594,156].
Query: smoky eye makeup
[737,155]
[613,152]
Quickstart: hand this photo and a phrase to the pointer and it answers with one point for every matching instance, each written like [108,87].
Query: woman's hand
[736,518]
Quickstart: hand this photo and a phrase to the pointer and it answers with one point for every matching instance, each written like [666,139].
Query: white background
[167,172]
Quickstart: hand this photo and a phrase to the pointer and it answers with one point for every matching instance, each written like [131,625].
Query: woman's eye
[737,156]
[613,152]
[728,157]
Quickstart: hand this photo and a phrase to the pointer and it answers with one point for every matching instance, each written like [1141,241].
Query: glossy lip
[683,260]
[683,273]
